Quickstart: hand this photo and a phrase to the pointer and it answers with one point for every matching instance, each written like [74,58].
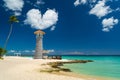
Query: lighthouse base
[38,56]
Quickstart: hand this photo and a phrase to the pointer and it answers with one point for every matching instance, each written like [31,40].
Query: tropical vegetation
[12,19]
[2,52]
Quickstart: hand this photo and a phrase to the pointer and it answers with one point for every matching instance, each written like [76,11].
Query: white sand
[18,68]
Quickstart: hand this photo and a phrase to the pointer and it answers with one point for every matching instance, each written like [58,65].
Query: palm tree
[2,52]
[12,20]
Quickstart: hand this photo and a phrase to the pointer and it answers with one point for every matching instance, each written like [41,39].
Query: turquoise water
[103,66]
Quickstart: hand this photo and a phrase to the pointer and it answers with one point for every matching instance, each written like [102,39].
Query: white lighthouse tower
[39,45]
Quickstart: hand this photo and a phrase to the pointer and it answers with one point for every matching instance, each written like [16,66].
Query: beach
[22,68]
[19,68]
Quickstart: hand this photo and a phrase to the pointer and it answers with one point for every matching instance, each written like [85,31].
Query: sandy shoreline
[19,68]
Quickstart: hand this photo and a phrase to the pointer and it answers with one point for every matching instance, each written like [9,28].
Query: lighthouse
[39,44]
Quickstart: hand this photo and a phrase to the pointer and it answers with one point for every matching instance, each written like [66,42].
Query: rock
[65,69]
[55,66]
[90,60]
[46,70]
[77,61]
[49,70]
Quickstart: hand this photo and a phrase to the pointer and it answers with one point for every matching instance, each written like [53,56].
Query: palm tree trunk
[11,27]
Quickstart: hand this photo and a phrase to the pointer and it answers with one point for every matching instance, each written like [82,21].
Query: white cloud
[48,51]
[38,21]
[36,4]
[27,1]
[21,51]
[52,50]
[83,1]
[14,5]
[117,9]
[76,53]
[105,29]
[92,3]
[12,51]
[100,9]
[108,24]
[26,51]
[17,13]
[33,50]
[72,53]
[78,2]
[52,28]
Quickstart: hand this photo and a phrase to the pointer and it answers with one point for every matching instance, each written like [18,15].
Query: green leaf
[13,19]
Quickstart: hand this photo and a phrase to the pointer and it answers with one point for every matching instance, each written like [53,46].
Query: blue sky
[71,26]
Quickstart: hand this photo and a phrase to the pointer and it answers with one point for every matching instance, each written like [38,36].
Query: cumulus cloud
[17,13]
[83,1]
[36,4]
[92,3]
[52,50]
[12,51]
[72,53]
[27,51]
[76,53]
[33,50]
[21,51]
[117,9]
[48,51]
[108,24]
[52,28]
[100,9]
[78,2]
[44,51]
[38,21]
[14,5]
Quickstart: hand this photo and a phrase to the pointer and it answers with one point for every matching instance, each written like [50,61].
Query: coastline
[20,68]
[68,72]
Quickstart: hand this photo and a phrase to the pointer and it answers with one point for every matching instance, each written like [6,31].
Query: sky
[81,27]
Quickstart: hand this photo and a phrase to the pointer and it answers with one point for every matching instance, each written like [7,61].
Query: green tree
[2,52]
[12,19]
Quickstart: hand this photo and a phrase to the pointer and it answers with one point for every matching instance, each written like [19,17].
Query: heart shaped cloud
[38,21]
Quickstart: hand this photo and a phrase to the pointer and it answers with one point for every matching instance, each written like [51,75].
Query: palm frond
[13,19]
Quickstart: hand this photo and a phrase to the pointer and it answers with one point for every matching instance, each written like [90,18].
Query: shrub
[2,52]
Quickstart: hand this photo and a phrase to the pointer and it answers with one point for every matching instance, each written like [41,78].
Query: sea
[103,66]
